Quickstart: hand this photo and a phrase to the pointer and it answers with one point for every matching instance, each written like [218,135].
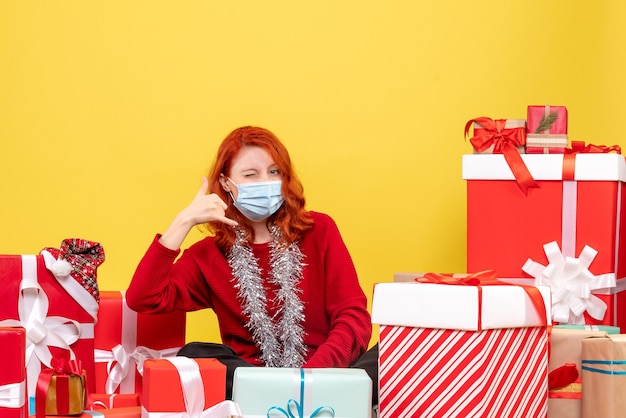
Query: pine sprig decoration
[547,121]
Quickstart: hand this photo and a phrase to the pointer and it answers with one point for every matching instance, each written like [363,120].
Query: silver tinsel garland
[279,338]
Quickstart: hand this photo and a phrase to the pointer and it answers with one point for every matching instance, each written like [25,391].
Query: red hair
[292,218]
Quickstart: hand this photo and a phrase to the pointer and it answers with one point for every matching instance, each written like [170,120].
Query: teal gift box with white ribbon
[302,393]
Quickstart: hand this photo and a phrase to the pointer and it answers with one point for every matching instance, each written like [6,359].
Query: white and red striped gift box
[460,351]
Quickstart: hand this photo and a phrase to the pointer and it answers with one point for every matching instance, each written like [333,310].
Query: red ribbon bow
[487,278]
[62,368]
[60,364]
[504,141]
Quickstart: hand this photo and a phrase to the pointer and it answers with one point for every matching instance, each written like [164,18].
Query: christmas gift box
[124,339]
[303,393]
[491,136]
[547,120]
[604,376]
[61,390]
[54,295]
[182,387]
[567,233]
[506,137]
[13,402]
[565,400]
[123,412]
[126,412]
[98,401]
[547,130]
[462,347]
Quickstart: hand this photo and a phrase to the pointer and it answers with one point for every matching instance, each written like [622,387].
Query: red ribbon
[579,147]
[62,368]
[562,376]
[487,278]
[504,141]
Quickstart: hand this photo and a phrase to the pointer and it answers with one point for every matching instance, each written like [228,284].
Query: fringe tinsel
[279,338]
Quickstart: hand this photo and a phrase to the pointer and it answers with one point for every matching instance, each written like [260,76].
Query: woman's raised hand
[207,207]
[202,209]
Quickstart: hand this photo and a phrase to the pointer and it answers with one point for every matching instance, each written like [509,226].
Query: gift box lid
[609,329]
[592,166]
[427,305]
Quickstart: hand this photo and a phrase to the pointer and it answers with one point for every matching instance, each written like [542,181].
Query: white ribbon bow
[12,395]
[193,395]
[120,363]
[42,331]
[571,284]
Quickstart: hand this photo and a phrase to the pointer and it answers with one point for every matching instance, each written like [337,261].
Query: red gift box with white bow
[180,387]
[124,339]
[568,233]
[58,312]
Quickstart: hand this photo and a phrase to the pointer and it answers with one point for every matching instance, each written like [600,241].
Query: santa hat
[80,259]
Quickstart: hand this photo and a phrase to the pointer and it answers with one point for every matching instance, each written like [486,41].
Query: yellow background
[111,111]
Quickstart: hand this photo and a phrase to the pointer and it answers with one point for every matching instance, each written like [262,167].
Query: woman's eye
[275,171]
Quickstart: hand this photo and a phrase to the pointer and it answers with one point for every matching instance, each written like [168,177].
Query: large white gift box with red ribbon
[297,392]
[462,350]
[124,339]
[56,311]
[568,233]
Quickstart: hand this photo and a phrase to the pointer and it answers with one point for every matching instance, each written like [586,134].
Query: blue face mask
[259,200]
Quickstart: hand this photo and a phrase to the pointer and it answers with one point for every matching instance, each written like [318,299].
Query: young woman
[279,278]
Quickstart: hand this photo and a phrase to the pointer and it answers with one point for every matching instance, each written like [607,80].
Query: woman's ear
[224,183]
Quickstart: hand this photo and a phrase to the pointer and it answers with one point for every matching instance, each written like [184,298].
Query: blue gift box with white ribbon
[302,393]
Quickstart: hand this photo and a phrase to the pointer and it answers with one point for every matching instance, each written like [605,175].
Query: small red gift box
[125,338]
[126,412]
[59,309]
[576,216]
[61,390]
[166,391]
[100,401]
[461,350]
[13,372]
[547,120]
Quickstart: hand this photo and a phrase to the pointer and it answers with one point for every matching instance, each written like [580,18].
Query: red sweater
[337,324]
